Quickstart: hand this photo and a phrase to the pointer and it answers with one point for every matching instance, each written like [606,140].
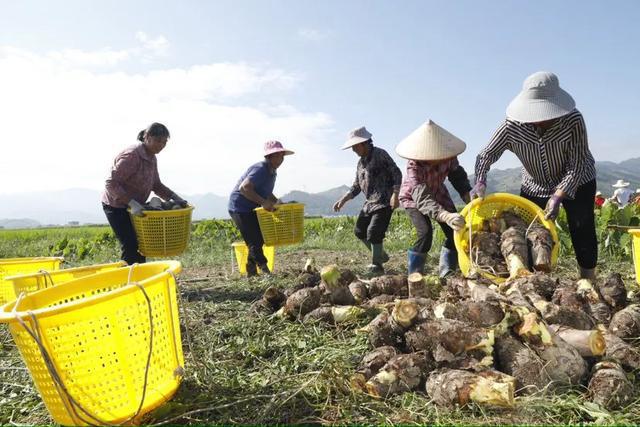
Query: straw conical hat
[430,142]
[620,184]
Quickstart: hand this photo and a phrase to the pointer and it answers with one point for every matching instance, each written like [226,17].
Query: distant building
[73,223]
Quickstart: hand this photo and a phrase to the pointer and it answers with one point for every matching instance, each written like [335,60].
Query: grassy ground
[244,369]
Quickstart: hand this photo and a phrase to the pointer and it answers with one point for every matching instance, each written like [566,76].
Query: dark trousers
[247,223]
[423,226]
[581,219]
[373,226]
[120,222]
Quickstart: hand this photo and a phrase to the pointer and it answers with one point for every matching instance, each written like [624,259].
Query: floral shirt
[134,175]
[377,177]
[431,180]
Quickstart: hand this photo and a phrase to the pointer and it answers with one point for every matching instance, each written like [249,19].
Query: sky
[80,79]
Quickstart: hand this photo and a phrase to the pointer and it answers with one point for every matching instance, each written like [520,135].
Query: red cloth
[599,201]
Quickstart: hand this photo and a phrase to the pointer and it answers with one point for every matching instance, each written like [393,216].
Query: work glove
[552,209]
[136,208]
[178,200]
[479,190]
[453,220]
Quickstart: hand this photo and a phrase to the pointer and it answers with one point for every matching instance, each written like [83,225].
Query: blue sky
[227,75]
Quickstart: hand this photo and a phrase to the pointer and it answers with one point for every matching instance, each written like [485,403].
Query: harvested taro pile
[507,246]
[464,341]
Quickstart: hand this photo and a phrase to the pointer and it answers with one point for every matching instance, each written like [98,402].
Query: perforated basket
[490,207]
[96,332]
[163,233]
[635,245]
[284,226]
[44,279]
[242,253]
[13,266]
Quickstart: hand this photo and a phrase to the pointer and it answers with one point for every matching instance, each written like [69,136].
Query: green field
[246,369]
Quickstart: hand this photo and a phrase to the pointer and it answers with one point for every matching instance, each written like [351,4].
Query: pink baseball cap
[271,147]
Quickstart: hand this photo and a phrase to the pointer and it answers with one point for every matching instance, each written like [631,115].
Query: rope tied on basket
[70,403]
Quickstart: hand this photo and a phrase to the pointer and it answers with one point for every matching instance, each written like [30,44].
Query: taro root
[588,343]
[513,245]
[336,285]
[566,316]
[359,291]
[563,363]
[336,314]
[597,308]
[370,365]
[380,301]
[452,336]
[275,297]
[541,244]
[404,372]
[424,286]
[512,219]
[539,283]
[261,307]
[519,361]
[389,284]
[308,280]
[614,292]
[302,302]
[381,333]
[620,351]
[626,322]
[609,386]
[486,255]
[567,295]
[482,314]
[452,387]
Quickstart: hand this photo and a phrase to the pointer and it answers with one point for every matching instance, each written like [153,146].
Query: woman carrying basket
[432,153]
[255,189]
[133,176]
[547,133]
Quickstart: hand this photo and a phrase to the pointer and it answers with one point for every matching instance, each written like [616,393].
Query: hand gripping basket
[32,282]
[163,233]
[284,226]
[13,266]
[492,205]
[102,349]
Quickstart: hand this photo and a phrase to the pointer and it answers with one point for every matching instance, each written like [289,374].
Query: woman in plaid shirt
[432,153]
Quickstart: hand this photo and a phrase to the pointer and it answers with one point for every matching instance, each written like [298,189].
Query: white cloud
[158,45]
[64,121]
[314,34]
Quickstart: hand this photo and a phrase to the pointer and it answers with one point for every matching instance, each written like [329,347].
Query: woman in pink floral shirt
[432,154]
[134,175]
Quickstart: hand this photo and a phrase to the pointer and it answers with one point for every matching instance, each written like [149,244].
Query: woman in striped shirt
[547,133]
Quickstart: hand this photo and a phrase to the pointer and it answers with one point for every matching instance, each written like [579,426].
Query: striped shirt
[558,159]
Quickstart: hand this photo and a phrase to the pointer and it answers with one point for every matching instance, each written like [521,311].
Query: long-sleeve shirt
[134,175]
[377,177]
[423,186]
[558,159]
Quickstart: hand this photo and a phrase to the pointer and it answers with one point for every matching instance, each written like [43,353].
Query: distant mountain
[322,203]
[83,206]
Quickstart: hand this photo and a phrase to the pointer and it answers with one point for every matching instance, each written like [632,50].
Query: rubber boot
[587,273]
[385,256]
[377,259]
[448,262]
[416,261]
[251,269]
[264,268]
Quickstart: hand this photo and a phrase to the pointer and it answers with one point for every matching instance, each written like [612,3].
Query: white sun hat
[356,136]
[620,184]
[541,99]
[430,142]
[598,193]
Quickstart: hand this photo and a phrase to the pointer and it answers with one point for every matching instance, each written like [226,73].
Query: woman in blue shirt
[255,189]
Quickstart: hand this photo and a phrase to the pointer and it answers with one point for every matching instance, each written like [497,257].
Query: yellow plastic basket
[13,266]
[95,333]
[635,233]
[242,253]
[492,205]
[32,282]
[163,233]
[284,226]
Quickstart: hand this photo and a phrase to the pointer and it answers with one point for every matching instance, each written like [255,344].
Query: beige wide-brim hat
[541,99]
[430,142]
[357,136]
[620,184]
